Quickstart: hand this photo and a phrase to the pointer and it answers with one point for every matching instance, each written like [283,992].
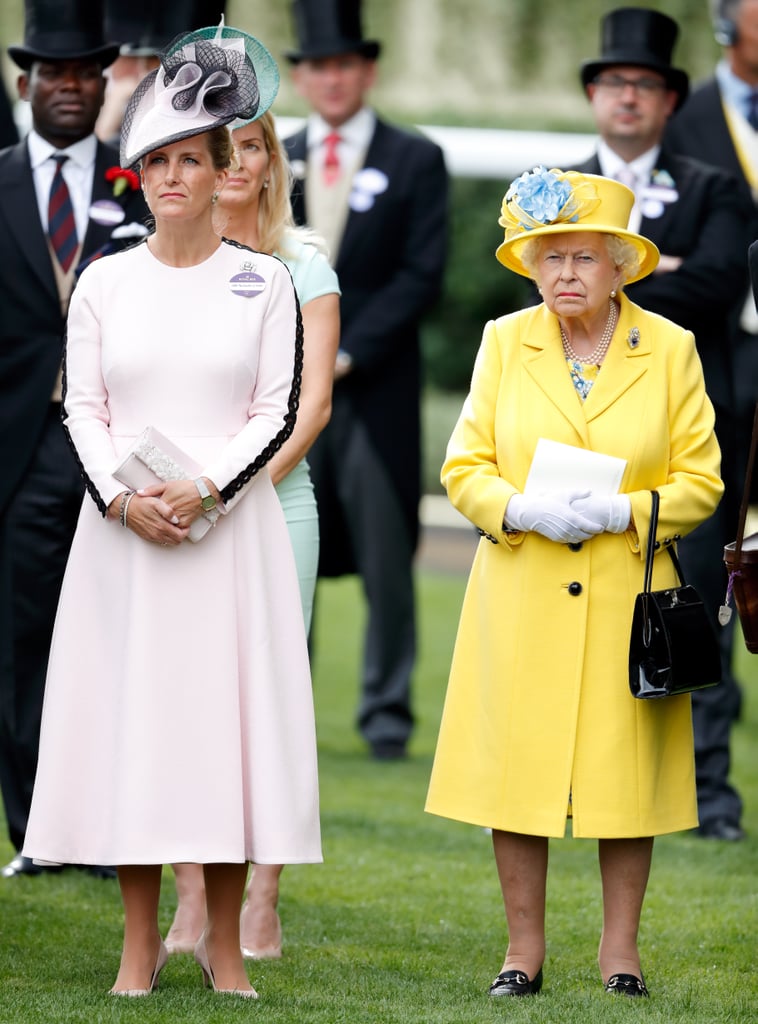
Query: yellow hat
[542,202]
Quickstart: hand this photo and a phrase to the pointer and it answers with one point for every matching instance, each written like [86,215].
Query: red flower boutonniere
[122,180]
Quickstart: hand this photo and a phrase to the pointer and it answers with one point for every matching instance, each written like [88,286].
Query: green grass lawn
[403,922]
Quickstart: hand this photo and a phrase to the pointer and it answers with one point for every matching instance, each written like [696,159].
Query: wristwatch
[206,498]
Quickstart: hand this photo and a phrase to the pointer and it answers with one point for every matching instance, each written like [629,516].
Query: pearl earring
[265,183]
[613,293]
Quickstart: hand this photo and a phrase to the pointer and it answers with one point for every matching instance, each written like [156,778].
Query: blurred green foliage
[477,288]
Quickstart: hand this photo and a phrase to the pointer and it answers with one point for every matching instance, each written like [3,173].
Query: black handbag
[673,647]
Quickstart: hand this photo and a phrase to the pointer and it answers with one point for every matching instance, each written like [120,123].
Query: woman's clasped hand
[568,517]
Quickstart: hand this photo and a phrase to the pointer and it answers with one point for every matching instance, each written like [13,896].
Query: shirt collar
[733,89]
[356,132]
[611,162]
[82,153]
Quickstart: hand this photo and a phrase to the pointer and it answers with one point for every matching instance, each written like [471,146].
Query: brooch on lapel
[658,194]
[633,338]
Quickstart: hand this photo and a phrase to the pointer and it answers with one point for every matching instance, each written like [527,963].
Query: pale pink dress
[178,722]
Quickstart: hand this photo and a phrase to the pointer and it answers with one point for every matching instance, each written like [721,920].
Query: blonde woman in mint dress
[254,208]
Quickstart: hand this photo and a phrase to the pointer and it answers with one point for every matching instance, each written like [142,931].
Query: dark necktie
[752,113]
[331,159]
[61,226]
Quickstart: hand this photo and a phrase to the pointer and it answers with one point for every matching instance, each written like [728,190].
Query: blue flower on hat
[540,194]
[540,197]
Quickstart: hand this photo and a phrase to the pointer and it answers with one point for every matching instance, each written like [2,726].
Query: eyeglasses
[617,83]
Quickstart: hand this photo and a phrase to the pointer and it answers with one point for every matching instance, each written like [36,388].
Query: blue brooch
[633,338]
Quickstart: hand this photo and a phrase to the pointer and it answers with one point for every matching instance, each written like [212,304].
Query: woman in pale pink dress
[178,722]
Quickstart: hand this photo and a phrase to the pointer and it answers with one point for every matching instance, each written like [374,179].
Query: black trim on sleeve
[292,405]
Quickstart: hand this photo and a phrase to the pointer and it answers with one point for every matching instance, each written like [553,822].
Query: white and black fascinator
[206,79]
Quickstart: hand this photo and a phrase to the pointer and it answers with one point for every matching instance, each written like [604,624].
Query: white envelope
[562,467]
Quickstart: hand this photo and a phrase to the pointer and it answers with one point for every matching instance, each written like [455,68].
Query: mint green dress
[312,277]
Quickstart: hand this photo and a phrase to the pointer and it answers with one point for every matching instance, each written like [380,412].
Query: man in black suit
[379,197]
[718,124]
[698,218]
[41,491]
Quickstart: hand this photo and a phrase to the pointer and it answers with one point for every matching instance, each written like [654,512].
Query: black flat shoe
[626,985]
[516,983]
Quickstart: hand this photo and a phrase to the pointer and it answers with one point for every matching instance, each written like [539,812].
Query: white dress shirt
[78,173]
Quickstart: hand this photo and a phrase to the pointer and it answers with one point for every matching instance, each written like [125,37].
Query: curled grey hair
[623,254]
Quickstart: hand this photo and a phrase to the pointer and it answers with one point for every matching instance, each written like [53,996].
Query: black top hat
[145,27]
[327,28]
[63,30]
[642,38]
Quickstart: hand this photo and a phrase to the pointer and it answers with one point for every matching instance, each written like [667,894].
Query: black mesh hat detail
[206,79]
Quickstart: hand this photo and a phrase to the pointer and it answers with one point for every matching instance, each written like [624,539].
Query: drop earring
[214,198]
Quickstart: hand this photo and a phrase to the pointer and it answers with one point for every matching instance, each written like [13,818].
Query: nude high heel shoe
[270,952]
[160,963]
[201,957]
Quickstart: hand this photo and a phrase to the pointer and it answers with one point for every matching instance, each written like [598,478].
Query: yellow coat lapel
[628,360]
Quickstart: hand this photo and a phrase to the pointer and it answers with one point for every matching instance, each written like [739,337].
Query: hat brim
[509,252]
[675,78]
[25,56]
[368,48]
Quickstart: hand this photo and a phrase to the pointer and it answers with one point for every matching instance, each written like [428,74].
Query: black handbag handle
[656,500]
[649,554]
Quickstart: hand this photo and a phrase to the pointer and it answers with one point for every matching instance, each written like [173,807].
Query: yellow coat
[538,708]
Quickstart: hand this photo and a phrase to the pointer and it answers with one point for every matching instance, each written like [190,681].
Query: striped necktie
[61,226]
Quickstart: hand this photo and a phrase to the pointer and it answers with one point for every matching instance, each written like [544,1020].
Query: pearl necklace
[597,355]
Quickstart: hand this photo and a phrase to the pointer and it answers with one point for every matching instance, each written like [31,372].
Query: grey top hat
[63,30]
[145,27]
[328,28]
[642,38]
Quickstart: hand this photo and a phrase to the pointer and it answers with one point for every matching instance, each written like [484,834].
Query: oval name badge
[107,212]
[247,284]
[652,208]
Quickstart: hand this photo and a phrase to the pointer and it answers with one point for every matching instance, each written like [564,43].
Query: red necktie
[61,226]
[331,159]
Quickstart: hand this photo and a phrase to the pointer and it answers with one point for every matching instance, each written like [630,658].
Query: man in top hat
[379,196]
[57,208]
[718,123]
[698,218]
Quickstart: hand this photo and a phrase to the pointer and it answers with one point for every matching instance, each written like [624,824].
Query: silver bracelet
[124,507]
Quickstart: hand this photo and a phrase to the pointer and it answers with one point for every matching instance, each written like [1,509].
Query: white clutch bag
[154,459]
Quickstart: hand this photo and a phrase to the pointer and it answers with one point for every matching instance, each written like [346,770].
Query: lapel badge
[633,338]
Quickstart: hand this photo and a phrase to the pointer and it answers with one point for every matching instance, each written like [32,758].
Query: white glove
[552,515]
[611,512]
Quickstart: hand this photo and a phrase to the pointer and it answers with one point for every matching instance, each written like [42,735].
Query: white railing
[492,152]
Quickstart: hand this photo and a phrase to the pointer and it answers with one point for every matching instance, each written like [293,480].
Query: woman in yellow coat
[539,720]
